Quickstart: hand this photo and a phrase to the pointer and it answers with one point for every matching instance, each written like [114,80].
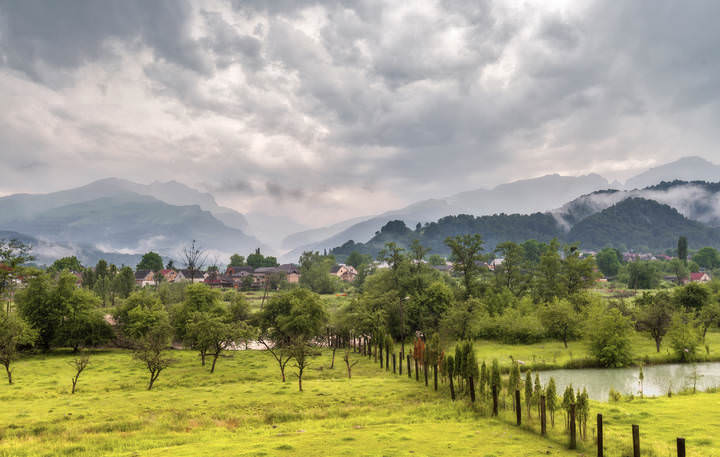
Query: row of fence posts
[363,346]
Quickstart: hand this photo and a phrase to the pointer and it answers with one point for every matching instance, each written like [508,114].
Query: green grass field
[244,410]
[553,354]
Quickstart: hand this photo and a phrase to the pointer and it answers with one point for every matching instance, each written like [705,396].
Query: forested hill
[633,223]
[641,224]
[495,229]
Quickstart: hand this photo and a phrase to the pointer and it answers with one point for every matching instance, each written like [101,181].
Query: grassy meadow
[241,410]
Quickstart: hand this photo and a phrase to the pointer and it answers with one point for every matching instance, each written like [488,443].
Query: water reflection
[658,379]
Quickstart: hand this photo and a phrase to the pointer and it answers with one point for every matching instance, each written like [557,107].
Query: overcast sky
[332,109]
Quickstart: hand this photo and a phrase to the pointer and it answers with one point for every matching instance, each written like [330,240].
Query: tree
[466,255]
[151,332]
[511,271]
[43,304]
[551,399]
[577,273]
[642,275]
[14,333]
[561,320]
[195,258]
[683,249]
[199,298]
[124,282]
[79,363]
[608,262]
[289,320]
[13,254]
[684,336]
[609,337]
[237,260]
[66,263]
[548,280]
[679,269]
[708,258]
[256,259]
[150,261]
[315,272]
[82,325]
[355,259]
[654,315]
[211,334]
[709,317]
[692,297]
[346,359]
[436,260]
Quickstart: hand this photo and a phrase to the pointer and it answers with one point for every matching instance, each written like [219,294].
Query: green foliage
[466,255]
[654,314]
[296,315]
[684,336]
[683,249]
[551,399]
[257,260]
[642,275]
[198,298]
[60,311]
[436,260]
[608,261]
[237,260]
[315,273]
[14,333]
[66,263]
[150,261]
[13,254]
[707,257]
[561,320]
[495,375]
[609,337]
[692,297]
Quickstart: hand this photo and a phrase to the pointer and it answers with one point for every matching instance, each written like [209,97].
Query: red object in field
[341,295]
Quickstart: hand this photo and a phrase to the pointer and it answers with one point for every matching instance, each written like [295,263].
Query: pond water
[658,379]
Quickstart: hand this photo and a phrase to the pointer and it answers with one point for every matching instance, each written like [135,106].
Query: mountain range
[122,219]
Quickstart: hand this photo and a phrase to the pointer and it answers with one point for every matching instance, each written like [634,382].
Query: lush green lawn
[553,354]
[243,409]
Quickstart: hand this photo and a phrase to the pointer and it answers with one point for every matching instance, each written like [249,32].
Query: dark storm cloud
[419,99]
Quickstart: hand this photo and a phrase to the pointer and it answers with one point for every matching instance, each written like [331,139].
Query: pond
[658,379]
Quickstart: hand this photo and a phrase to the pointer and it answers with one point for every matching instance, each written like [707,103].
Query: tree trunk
[300,379]
[452,389]
[202,357]
[658,340]
[332,362]
[565,342]
[215,357]
[9,373]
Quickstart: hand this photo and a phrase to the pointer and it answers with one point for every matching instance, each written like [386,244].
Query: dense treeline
[634,223]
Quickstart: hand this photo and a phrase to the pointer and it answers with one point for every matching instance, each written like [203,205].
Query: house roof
[289,268]
[697,276]
[238,270]
[141,274]
[266,270]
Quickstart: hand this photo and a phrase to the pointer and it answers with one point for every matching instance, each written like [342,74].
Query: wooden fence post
[518,408]
[472,390]
[543,417]
[636,440]
[435,376]
[400,364]
[573,429]
[495,400]
[600,450]
[409,367]
[394,362]
[681,447]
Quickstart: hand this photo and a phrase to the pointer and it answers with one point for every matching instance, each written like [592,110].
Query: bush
[684,336]
[609,335]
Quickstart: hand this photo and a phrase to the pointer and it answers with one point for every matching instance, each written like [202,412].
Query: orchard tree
[709,317]
[511,272]
[79,363]
[561,320]
[692,297]
[195,258]
[684,336]
[82,325]
[236,260]
[150,331]
[654,315]
[289,325]
[211,334]
[14,333]
[66,263]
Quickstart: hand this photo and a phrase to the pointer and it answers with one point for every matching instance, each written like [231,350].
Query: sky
[326,110]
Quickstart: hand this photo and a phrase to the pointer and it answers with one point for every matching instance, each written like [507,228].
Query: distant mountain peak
[691,168]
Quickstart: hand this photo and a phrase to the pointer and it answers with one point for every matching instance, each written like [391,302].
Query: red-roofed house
[700,277]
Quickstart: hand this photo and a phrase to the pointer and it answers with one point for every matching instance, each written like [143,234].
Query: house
[144,278]
[216,279]
[345,272]
[198,276]
[292,272]
[169,275]
[700,277]
[494,263]
[447,268]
